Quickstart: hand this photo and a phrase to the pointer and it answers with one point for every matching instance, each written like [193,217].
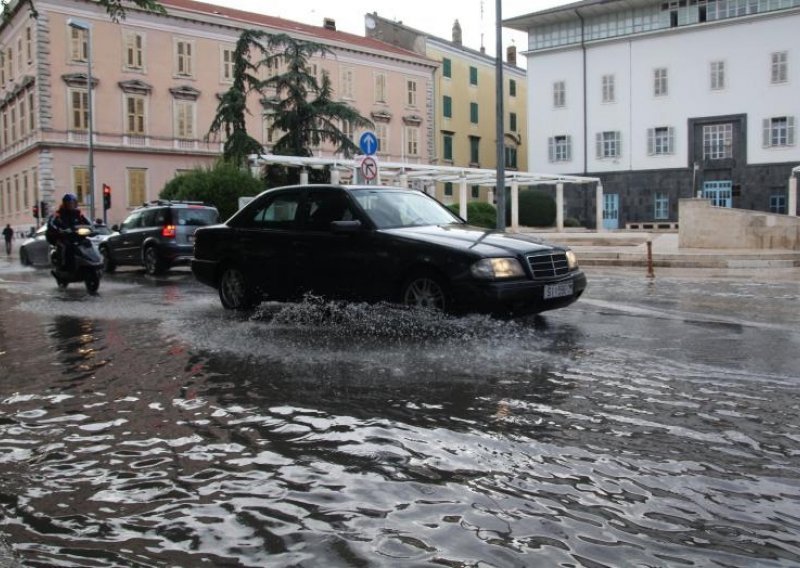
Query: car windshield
[102,230]
[392,209]
[196,216]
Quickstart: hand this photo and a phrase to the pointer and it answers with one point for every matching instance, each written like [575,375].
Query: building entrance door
[611,211]
[720,193]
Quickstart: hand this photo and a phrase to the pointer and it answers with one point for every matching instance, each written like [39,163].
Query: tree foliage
[221,186]
[116,9]
[479,214]
[536,208]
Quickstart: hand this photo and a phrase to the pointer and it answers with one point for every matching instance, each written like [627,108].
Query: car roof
[342,187]
[175,204]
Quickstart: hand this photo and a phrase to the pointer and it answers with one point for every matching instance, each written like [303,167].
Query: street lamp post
[500,118]
[86,27]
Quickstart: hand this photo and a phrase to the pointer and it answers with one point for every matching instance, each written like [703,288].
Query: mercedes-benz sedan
[370,243]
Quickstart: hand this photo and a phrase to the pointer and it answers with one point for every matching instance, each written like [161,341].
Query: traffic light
[43,209]
[106,196]
[35,211]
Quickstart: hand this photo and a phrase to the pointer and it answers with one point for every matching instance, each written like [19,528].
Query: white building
[663,99]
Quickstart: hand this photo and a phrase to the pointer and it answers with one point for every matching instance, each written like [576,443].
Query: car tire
[108,265]
[235,290]
[153,265]
[425,289]
[92,282]
[23,258]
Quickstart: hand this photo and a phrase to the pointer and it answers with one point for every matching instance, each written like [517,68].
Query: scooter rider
[61,225]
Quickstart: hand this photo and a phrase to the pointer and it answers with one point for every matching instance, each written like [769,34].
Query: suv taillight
[168,232]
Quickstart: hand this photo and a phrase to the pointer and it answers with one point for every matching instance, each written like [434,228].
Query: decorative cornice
[79,80]
[185,92]
[382,115]
[15,90]
[412,119]
[135,87]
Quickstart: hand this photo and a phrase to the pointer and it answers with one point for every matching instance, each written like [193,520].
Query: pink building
[156,85]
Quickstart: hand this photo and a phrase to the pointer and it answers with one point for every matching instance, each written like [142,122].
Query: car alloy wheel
[234,291]
[425,292]
[152,264]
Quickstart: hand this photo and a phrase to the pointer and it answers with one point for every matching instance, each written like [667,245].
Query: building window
[476,192]
[19,55]
[10,64]
[608,144]
[134,51]
[717,141]
[447,68]
[26,198]
[512,122]
[560,148]
[380,87]
[474,150]
[226,62]
[347,83]
[660,82]
[137,187]
[5,128]
[779,131]
[79,110]
[777,204]
[348,129]
[184,120]
[184,54]
[23,118]
[447,147]
[382,134]
[448,189]
[512,88]
[511,157]
[473,76]
[780,67]
[559,94]
[31,113]
[717,75]
[473,113]
[269,129]
[135,115]
[660,141]
[447,106]
[412,140]
[80,183]
[411,92]
[661,204]
[609,95]
[2,67]
[29,44]
[78,45]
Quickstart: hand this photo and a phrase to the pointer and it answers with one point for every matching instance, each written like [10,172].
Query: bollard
[650,272]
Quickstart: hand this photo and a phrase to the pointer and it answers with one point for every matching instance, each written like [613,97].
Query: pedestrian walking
[8,235]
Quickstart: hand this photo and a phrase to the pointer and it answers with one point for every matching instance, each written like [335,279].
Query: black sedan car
[374,243]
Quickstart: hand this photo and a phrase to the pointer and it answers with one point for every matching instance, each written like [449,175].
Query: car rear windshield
[392,209]
[195,217]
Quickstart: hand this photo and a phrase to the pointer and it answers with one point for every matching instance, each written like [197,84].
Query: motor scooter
[87,262]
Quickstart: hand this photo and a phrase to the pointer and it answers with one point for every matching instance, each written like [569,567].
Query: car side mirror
[115,228]
[345,227]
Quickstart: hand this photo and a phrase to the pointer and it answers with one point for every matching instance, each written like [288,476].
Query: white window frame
[559,94]
[411,92]
[608,145]
[559,148]
[77,45]
[347,79]
[129,48]
[718,141]
[184,60]
[226,67]
[381,87]
[779,132]
[609,94]
[779,69]
[717,75]
[660,82]
[661,141]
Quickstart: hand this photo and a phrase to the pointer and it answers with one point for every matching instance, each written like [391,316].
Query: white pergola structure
[792,209]
[402,174]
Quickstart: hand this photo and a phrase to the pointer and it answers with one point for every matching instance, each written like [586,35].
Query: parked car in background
[379,244]
[158,235]
[35,250]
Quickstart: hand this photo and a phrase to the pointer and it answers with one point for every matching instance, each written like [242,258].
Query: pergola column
[559,207]
[304,177]
[490,196]
[335,176]
[462,198]
[792,210]
[403,179]
[599,207]
[514,205]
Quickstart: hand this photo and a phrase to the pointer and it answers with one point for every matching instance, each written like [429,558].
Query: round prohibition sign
[369,168]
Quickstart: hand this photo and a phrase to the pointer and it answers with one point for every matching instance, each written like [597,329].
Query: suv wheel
[235,291]
[153,264]
[108,265]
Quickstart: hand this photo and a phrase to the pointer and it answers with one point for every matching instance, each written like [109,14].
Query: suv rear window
[195,217]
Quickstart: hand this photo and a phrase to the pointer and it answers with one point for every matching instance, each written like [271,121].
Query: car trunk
[188,220]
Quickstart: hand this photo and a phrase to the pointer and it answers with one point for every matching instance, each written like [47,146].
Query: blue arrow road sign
[368,143]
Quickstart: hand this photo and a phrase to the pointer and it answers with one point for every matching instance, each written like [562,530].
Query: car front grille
[548,265]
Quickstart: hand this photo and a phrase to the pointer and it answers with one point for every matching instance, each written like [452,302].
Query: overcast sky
[427,15]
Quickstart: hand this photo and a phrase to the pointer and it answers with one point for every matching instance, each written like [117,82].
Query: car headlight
[497,269]
[572,260]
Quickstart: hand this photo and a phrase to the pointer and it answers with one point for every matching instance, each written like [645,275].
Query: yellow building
[464,123]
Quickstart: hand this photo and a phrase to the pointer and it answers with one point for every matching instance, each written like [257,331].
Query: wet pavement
[651,424]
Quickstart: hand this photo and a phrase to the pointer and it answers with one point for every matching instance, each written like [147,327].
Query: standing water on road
[650,424]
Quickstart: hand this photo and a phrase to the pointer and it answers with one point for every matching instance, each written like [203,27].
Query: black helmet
[69,197]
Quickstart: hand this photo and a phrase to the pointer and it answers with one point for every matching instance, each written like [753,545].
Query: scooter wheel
[92,283]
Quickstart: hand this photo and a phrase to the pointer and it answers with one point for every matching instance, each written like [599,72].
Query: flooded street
[650,424]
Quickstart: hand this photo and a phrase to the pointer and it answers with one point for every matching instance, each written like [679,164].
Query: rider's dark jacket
[62,220]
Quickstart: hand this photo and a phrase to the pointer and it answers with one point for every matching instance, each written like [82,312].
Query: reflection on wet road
[651,424]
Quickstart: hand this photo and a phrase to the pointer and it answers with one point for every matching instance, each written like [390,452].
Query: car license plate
[558,290]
